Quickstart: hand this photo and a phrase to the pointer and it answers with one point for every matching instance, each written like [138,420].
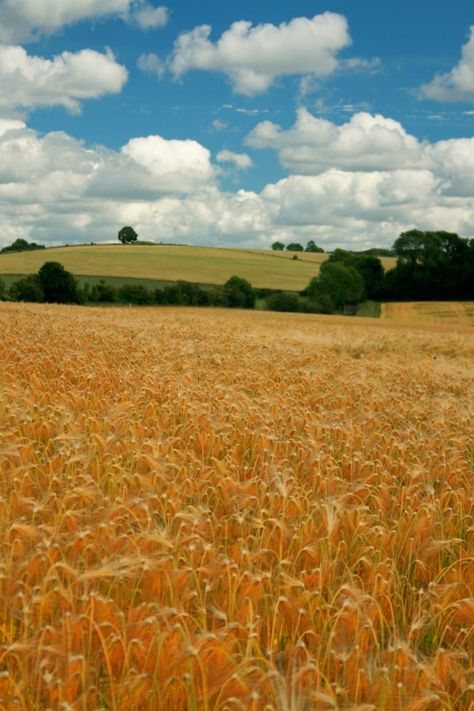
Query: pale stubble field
[204,509]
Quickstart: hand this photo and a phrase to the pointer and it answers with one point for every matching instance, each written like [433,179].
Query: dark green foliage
[27,289]
[313,247]
[239,293]
[21,245]
[278,246]
[335,286]
[369,267]
[295,256]
[285,301]
[58,285]
[135,294]
[127,235]
[103,293]
[295,247]
[3,290]
[431,266]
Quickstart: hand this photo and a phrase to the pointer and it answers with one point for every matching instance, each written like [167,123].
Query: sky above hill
[236,124]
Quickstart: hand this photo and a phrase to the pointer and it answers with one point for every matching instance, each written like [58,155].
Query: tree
[369,267]
[58,285]
[278,246]
[27,289]
[337,285]
[21,245]
[127,235]
[313,247]
[295,247]
[239,293]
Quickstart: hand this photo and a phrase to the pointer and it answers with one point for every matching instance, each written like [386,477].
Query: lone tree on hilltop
[278,246]
[127,235]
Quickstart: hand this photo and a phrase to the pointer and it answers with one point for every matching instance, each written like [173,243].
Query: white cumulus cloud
[152,64]
[365,142]
[254,56]
[28,81]
[242,161]
[26,19]
[55,189]
[176,166]
[458,84]
[148,17]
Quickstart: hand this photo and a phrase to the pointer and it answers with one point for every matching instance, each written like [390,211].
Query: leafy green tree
[294,247]
[103,293]
[239,293]
[313,247]
[135,294]
[21,245]
[3,290]
[431,265]
[284,301]
[369,267]
[27,289]
[127,235]
[278,246]
[336,285]
[58,285]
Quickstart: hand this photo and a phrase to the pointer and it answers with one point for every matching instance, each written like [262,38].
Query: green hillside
[205,265]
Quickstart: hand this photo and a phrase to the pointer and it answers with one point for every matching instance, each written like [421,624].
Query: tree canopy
[127,235]
[57,284]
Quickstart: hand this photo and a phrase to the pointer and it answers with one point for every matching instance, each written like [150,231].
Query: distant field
[263,268]
[434,312]
[209,509]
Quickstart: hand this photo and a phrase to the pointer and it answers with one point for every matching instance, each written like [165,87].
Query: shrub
[27,289]
[285,301]
[239,293]
[135,294]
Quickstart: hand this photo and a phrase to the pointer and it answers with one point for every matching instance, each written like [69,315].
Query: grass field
[263,268]
[436,312]
[213,509]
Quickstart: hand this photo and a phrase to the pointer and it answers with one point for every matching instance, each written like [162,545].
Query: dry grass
[459,313]
[221,510]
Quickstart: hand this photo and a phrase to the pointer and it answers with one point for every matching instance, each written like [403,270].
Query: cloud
[312,145]
[219,125]
[148,17]
[458,84]
[366,143]
[253,57]
[174,166]
[26,19]
[28,81]
[152,64]
[240,160]
[54,188]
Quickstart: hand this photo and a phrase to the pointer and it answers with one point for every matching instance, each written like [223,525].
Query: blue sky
[236,124]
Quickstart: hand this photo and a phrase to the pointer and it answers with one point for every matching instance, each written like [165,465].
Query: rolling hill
[205,265]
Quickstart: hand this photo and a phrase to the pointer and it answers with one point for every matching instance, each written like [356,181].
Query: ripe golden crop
[204,509]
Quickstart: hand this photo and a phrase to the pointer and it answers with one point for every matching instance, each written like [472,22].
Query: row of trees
[311,246]
[21,245]
[54,284]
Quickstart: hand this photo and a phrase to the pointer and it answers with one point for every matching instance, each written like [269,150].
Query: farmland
[435,312]
[208,509]
[263,268]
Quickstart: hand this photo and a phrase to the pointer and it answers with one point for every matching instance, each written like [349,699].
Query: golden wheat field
[205,510]
[459,313]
